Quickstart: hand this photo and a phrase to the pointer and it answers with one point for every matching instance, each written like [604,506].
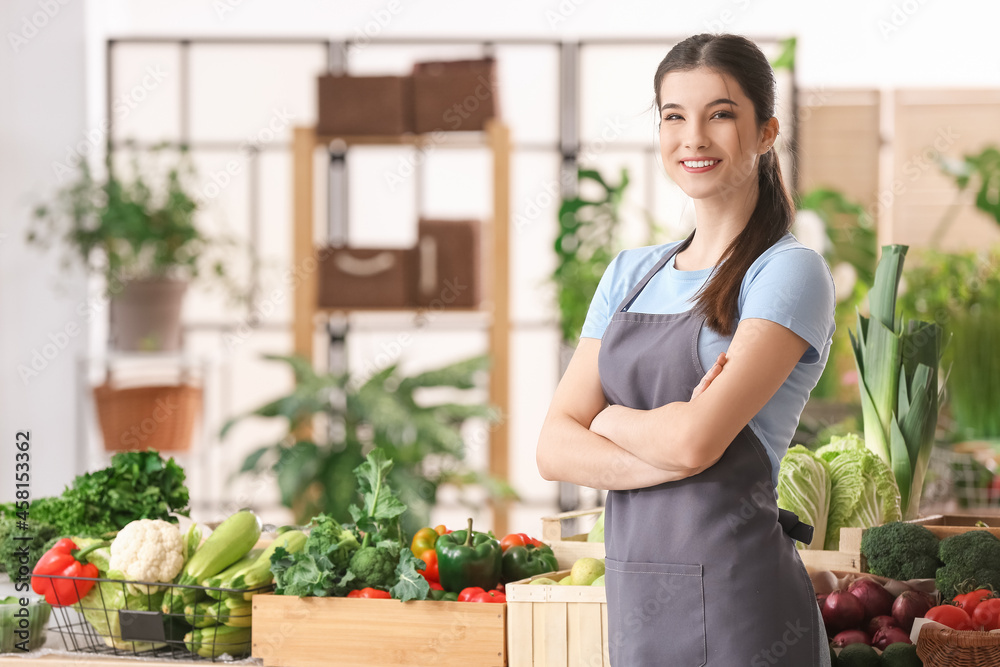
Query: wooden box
[557,626]
[942,525]
[568,548]
[351,105]
[316,632]
[449,266]
[455,95]
[366,277]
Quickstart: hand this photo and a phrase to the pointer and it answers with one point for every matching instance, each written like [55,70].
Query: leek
[898,381]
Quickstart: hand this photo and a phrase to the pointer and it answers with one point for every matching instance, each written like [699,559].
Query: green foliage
[137,485]
[901,551]
[584,246]
[333,563]
[388,412]
[786,59]
[852,241]
[41,536]
[970,560]
[960,291]
[126,229]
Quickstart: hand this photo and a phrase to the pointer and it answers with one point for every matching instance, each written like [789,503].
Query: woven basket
[160,417]
[944,647]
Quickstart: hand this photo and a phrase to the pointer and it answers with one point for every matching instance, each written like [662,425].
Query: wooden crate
[568,548]
[820,560]
[557,626]
[942,525]
[314,632]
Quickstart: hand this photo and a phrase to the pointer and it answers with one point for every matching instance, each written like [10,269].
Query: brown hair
[774,213]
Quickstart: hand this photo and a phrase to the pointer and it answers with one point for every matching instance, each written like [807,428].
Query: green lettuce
[863,491]
[804,488]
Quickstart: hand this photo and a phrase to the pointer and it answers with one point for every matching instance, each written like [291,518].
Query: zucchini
[217,581]
[213,641]
[259,573]
[229,543]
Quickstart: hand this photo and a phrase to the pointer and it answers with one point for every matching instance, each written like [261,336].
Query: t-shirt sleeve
[795,289]
[604,301]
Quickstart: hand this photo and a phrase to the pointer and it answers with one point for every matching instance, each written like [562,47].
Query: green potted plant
[585,245]
[140,236]
[390,411]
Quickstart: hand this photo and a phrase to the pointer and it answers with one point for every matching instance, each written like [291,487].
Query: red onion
[910,605]
[876,600]
[890,635]
[879,622]
[848,637]
[821,598]
[842,611]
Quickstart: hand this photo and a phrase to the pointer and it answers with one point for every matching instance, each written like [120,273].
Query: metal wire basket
[149,619]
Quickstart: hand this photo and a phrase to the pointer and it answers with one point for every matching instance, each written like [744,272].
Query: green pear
[543,581]
[566,581]
[599,581]
[586,570]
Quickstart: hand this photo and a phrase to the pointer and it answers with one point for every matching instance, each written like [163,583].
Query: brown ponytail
[774,213]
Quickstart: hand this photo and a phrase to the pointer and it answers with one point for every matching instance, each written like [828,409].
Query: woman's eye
[723,114]
[670,116]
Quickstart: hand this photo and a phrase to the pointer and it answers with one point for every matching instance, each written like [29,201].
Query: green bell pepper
[443,596]
[527,561]
[468,559]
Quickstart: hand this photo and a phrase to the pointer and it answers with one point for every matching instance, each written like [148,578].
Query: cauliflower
[147,550]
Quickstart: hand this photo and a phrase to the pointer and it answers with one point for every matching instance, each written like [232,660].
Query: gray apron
[699,571]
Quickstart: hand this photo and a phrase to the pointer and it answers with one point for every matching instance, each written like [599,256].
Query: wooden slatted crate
[556,626]
[568,548]
[314,632]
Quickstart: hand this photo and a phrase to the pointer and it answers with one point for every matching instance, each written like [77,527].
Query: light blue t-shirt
[789,284]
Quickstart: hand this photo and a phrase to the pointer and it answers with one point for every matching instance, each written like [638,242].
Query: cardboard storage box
[449,263]
[366,277]
[316,632]
[454,96]
[367,105]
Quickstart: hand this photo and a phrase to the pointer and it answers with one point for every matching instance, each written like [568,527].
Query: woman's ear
[769,135]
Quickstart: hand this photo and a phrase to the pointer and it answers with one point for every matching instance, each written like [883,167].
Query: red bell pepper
[519,540]
[63,560]
[441,530]
[369,593]
[477,594]
[430,569]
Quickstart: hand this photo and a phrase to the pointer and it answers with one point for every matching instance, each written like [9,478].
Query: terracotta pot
[146,316]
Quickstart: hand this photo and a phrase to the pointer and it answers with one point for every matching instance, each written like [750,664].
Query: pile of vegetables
[842,484]
[137,485]
[868,613]
[368,554]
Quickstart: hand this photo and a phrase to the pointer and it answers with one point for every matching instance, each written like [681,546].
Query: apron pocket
[656,614]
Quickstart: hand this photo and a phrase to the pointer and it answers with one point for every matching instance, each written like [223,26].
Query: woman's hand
[712,373]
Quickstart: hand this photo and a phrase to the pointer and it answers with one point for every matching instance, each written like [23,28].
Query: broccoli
[901,551]
[971,560]
[375,567]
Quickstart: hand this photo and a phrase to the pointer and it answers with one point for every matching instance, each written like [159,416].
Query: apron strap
[795,529]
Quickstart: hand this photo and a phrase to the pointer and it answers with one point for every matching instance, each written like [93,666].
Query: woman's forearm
[660,437]
[569,452]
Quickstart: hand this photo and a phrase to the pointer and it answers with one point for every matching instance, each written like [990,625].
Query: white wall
[55,85]
[41,332]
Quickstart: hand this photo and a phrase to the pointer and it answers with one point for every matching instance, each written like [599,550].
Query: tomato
[969,601]
[519,540]
[430,569]
[987,615]
[423,540]
[950,615]
[369,593]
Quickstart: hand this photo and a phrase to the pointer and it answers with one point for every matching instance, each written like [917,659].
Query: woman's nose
[694,137]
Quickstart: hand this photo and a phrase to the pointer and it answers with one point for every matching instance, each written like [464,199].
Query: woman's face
[709,141]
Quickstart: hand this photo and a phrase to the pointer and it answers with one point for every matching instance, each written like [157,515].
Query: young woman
[701,565]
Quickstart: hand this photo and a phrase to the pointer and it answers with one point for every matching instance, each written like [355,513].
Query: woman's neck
[718,223]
